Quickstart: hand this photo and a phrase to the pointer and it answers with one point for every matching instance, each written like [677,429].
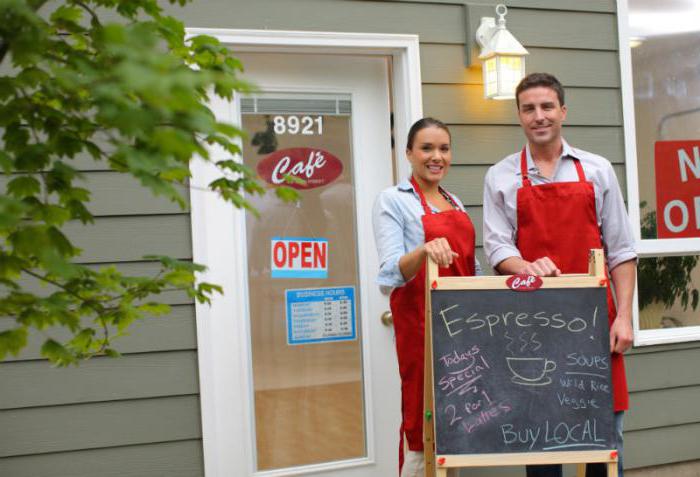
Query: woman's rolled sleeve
[388,222]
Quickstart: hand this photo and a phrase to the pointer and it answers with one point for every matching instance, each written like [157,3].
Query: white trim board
[216,225]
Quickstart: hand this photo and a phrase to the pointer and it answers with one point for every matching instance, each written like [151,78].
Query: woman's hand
[440,252]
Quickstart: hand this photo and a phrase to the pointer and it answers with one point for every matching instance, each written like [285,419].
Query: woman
[414,220]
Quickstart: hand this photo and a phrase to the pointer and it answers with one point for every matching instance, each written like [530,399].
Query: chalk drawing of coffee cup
[531,371]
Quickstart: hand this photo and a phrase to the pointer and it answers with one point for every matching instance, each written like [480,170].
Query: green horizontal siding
[568,5]
[442,63]
[439,25]
[96,425]
[663,408]
[132,376]
[130,238]
[662,446]
[476,214]
[171,459]
[113,193]
[561,29]
[662,370]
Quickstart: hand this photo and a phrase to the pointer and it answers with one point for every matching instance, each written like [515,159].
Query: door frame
[216,225]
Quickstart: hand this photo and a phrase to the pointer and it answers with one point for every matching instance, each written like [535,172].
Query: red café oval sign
[313,165]
[524,283]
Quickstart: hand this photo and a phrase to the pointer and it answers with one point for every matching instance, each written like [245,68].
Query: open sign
[299,257]
[677,167]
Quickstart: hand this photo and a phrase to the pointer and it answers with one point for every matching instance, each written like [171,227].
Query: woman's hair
[422,124]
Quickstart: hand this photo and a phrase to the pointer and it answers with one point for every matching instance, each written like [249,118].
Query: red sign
[677,167]
[524,283]
[315,166]
[299,257]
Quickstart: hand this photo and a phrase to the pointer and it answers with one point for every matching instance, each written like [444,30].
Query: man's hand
[621,334]
[440,251]
[543,267]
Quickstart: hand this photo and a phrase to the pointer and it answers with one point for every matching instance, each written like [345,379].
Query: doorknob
[387,318]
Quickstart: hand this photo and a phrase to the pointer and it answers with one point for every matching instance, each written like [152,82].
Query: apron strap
[451,199]
[523,168]
[579,170]
[424,203]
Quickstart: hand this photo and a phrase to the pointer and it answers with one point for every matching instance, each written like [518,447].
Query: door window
[303,282]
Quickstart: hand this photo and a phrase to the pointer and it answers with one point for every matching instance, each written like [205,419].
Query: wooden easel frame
[437,466]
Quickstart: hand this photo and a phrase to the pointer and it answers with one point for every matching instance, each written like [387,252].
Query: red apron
[408,310]
[558,220]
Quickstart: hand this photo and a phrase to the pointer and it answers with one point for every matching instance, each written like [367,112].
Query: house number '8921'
[306,125]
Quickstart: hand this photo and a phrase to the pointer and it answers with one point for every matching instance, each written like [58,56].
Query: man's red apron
[558,220]
[408,310]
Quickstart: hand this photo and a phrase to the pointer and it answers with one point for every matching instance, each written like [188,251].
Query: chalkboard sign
[521,372]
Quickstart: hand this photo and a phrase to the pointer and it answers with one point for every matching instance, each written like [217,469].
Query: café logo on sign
[315,166]
[524,282]
[677,168]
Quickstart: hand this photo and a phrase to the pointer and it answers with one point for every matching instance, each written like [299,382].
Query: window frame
[644,247]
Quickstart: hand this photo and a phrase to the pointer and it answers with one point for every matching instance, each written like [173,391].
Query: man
[546,206]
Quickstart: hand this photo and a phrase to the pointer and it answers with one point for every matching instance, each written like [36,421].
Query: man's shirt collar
[566,152]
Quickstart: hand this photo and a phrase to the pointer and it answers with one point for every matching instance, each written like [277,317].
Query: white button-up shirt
[500,203]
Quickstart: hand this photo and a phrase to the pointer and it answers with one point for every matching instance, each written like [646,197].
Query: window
[660,64]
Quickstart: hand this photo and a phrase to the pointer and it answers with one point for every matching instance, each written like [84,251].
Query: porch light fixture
[502,55]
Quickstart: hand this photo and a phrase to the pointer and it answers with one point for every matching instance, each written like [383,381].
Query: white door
[320,390]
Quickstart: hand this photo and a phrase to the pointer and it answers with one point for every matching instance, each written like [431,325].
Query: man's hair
[533,80]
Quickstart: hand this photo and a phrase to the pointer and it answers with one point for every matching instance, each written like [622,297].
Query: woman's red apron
[408,310]
[558,220]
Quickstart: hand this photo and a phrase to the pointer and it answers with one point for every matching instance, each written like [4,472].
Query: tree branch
[95,18]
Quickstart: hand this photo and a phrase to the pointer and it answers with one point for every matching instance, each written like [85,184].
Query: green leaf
[61,242]
[112,353]
[287,194]
[54,215]
[155,309]
[57,264]
[6,162]
[57,353]
[11,213]
[66,13]
[16,137]
[180,278]
[10,266]
[82,341]
[12,341]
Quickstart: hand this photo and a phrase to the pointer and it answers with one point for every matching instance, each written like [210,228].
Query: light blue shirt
[398,229]
[500,203]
